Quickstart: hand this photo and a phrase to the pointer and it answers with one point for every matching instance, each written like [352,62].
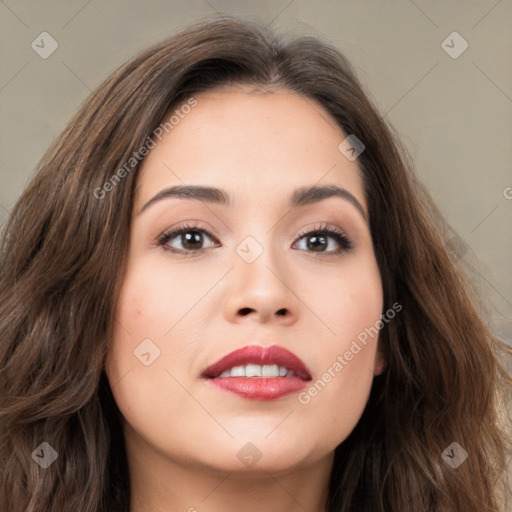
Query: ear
[380,363]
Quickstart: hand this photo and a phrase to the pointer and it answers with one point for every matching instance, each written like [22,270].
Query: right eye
[191,238]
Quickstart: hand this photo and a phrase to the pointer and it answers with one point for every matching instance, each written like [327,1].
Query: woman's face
[256,278]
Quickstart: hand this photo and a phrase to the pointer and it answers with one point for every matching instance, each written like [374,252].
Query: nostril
[246,311]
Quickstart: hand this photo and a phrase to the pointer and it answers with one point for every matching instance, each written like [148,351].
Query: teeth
[271,370]
[238,371]
[253,370]
[256,370]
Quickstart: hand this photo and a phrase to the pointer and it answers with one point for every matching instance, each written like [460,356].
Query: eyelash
[338,235]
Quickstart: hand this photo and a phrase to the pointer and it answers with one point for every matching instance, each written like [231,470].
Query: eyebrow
[300,197]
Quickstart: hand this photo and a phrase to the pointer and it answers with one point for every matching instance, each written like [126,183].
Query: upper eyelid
[175,232]
[304,231]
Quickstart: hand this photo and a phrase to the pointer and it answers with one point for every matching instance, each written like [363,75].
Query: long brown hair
[62,259]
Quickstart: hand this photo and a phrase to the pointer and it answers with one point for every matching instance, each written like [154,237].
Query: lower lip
[259,388]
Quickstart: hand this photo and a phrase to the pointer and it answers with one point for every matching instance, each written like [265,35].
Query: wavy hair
[62,257]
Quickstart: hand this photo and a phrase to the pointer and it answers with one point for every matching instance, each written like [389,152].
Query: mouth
[258,373]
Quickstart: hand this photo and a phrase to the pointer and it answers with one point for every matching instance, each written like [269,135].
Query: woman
[225,286]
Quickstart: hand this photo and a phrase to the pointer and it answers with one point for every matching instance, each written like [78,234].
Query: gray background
[453,114]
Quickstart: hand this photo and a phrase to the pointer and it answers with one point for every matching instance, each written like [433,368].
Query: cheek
[151,315]
[147,300]
[139,326]
[157,296]
[345,302]
[138,356]
[149,305]
[350,310]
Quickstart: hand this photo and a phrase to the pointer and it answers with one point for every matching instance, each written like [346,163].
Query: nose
[261,291]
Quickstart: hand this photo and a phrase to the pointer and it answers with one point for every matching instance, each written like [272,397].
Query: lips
[271,360]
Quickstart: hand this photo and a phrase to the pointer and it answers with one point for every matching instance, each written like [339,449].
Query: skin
[182,434]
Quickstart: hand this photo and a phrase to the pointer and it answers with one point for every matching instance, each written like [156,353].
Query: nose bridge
[259,281]
[258,249]
[257,264]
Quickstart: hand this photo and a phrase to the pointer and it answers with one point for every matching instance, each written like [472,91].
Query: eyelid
[334,232]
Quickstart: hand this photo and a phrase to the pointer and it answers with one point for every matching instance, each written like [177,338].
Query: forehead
[249,139]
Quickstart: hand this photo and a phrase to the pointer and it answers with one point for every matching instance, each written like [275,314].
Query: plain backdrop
[451,105]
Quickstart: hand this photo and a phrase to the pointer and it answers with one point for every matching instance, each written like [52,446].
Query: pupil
[315,245]
[190,239]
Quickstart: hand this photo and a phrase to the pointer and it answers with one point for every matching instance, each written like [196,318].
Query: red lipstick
[259,386]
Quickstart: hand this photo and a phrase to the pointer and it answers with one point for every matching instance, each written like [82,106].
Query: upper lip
[255,354]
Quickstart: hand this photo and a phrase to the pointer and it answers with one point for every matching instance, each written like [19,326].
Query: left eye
[317,241]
